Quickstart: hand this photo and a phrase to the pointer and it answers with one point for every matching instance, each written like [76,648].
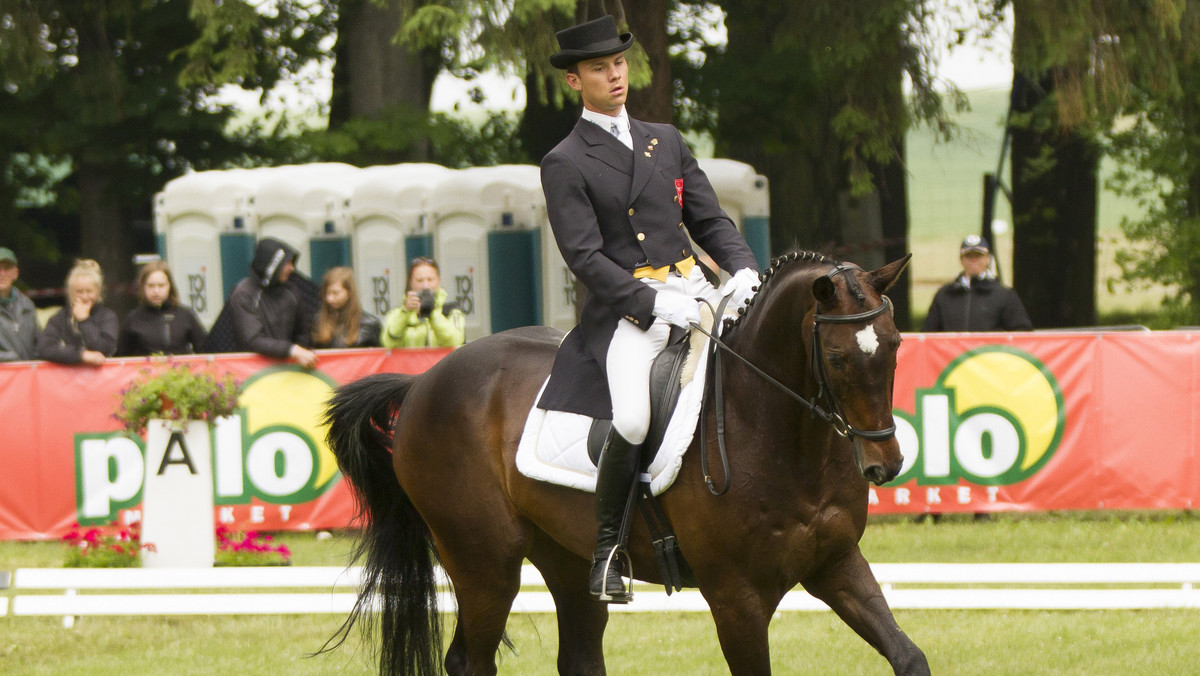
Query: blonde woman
[83,332]
[340,321]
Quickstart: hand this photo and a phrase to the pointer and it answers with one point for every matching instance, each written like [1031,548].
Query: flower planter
[177,496]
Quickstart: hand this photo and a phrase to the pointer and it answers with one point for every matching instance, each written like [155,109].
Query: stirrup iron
[626,593]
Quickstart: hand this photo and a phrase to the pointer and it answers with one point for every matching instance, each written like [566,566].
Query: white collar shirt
[606,122]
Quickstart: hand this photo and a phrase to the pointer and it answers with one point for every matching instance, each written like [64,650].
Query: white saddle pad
[553,446]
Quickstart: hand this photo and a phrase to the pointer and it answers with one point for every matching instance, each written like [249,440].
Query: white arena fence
[76,592]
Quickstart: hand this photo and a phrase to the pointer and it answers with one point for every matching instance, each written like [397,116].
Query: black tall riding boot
[615,475]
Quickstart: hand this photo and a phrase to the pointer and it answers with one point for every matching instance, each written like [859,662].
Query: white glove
[740,288]
[676,308]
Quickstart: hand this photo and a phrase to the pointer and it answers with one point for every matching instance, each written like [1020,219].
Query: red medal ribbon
[679,191]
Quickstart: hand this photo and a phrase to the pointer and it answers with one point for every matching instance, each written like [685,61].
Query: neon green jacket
[445,326]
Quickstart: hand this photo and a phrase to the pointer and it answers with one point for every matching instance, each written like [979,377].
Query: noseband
[833,412]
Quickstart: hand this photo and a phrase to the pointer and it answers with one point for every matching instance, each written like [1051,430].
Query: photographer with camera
[425,319]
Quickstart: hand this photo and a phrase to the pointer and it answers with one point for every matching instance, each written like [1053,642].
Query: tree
[1054,187]
[648,22]
[519,37]
[381,79]
[1159,150]
[99,111]
[810,94]
[1055,160]
[1080,67]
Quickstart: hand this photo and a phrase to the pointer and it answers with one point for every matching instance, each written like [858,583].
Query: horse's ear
[824,290]
[882,279]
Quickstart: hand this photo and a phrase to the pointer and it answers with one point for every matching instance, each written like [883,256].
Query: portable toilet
[744,195]
[203,226]
[390,226]
[488,245]
[308,207]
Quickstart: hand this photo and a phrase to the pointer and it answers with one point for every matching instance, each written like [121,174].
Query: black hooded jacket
[267,316]
[983,304]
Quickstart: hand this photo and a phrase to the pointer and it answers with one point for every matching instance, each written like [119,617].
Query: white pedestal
[177,497]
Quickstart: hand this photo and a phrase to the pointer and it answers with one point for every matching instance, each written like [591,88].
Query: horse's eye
[836,361]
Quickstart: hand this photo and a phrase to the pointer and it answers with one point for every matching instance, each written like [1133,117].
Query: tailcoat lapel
[605,147]
[645,158]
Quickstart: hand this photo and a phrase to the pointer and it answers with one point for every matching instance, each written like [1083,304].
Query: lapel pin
[654,141]
[647,154]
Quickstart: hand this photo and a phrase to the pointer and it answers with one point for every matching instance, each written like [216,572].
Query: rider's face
[603,83]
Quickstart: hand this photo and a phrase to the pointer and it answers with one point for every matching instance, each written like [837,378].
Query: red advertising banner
[1046,421]
[65,459]
[987,422]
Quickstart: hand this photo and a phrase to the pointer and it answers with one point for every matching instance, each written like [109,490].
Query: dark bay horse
[448,488]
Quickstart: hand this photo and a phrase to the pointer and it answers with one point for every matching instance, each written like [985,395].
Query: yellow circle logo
[994,417]
[1011,382]
[286,405]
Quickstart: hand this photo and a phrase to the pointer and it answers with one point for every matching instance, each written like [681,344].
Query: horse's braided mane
[767,276]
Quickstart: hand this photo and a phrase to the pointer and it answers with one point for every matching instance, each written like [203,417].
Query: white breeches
[633,350]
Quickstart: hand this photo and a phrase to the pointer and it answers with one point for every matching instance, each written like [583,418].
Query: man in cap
[619,193]
[976,300]
[18,316]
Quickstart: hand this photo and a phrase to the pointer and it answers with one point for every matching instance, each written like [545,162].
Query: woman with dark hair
[425,319]
[159,324]
[340,321]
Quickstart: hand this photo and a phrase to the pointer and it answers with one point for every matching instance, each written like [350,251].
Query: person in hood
[267,316]
[159,324]
[976,300]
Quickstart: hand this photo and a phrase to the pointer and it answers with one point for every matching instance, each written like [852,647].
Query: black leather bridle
[824,406]
[835,415]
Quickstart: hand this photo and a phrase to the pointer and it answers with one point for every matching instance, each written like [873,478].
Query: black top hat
[589,40]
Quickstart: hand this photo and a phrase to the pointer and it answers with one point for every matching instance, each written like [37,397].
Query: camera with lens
[425,296]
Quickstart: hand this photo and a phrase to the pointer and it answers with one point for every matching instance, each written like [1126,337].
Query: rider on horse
[619,193]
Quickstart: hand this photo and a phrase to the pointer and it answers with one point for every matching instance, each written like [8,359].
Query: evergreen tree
[105,101]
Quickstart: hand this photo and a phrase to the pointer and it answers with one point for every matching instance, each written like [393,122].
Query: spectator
[976,300]
[267,316]
[18,316]
[341,321]
[159,324]
[425,319]
[84,331]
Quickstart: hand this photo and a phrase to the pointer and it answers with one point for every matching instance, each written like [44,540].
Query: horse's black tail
[394,544]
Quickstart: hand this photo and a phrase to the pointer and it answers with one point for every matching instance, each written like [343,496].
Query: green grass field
[956,642]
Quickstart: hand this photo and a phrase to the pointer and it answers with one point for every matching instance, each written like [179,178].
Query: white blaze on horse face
[867,340]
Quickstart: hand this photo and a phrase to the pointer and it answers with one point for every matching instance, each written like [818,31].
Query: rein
[831,412]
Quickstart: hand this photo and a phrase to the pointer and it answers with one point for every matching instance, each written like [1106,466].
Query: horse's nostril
[875,474]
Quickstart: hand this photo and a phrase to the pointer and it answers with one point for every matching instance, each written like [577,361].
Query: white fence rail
[72,592]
